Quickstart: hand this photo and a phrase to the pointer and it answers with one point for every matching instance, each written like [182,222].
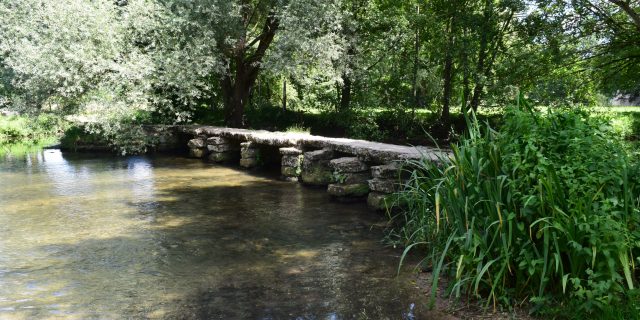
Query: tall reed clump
[546,211]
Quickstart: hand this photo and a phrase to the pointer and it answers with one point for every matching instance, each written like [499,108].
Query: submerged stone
[290,179]
[348,190]
[377,200]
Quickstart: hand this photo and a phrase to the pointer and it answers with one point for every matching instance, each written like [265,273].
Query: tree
[251,36]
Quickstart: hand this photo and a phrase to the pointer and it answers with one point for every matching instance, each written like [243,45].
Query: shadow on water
[176,238]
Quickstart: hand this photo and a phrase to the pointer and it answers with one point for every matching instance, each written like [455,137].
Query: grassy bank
[543,214]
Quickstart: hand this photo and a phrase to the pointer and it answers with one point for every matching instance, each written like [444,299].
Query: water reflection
[86,236]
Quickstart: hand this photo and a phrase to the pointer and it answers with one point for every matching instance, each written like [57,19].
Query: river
[92,236]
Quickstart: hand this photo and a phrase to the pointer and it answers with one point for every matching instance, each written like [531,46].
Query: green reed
[544,213]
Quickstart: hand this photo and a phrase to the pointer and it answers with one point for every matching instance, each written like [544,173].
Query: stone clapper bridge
[350,169]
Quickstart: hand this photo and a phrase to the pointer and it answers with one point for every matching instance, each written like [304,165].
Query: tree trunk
[626,7]
[447,75]
[237,84]
[484,68]
[416,98]
[284,94]
[345,94]
[482,56]
[466,89]
[236,93]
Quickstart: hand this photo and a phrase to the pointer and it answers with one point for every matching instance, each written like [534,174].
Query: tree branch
[626,7]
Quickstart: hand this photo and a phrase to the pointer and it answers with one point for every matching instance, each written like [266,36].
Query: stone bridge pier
[349,169]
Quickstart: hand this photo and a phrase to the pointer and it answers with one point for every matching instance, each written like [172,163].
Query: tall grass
[544,212]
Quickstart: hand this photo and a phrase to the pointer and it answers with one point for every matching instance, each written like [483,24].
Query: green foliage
[546,209]
[45,128]
[298,129]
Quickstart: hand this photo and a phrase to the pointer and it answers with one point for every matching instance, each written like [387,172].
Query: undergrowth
[543,213]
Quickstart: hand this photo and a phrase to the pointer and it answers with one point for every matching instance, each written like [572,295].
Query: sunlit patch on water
[93,236]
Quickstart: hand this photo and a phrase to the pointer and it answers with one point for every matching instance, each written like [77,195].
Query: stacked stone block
[315,167]
[387,179]
[291,163]
[197,148]
[221,150]
[249,154]
[350,176]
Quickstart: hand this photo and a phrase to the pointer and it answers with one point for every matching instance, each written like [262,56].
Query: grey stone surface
[354,178]
[220,157]
[316,174]
[290,151]
[389,171]
[249,153]
[197,153]
[383,185]
[348,190]
[377,200]
[217,140]
[196,143]
[313,156]
[369,151]
[291,160]
[348,165]
[290,171]
[247,145]
[220,147]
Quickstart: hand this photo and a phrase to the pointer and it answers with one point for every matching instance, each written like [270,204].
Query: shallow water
[94,236]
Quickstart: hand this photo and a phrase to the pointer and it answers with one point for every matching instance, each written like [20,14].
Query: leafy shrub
[546,209]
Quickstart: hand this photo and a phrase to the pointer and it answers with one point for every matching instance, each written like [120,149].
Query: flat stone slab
[389,171]
[220,147]
[291,161]
[290,151]
[384,185]
[369,151]
[348,165]
[314,156]
[217,141]
[196,143]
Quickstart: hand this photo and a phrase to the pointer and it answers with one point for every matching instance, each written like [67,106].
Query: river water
[96,236]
